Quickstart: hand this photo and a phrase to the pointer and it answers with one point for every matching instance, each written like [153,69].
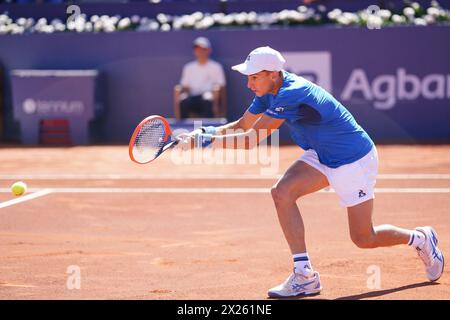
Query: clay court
[164,231]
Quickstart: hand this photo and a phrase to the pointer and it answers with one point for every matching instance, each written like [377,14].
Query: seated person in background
[201,92]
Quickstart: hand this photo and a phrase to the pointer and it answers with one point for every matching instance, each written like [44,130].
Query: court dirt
[145,232]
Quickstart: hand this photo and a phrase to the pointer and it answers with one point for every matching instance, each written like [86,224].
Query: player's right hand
[187,140]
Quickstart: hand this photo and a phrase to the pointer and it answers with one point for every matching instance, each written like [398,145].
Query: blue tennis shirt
[316,120]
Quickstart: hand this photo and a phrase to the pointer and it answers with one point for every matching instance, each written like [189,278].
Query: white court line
[76,176]
[27,197]
[215,190]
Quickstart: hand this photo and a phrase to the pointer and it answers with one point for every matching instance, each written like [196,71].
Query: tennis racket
[150,139]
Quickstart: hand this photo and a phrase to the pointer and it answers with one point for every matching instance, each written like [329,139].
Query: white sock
[417,239]
[302,264]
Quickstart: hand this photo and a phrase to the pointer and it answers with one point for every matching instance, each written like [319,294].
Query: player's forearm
[228,127]
[242,140]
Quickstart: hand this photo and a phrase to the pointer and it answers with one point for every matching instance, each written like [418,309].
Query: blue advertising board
[396,81]
[54,94]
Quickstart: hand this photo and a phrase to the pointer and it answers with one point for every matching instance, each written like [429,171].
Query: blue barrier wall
[396,81]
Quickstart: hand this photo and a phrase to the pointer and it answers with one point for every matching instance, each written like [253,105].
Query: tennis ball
[19,188]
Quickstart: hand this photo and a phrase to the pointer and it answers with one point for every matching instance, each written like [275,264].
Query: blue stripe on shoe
[301,259]
[412,239]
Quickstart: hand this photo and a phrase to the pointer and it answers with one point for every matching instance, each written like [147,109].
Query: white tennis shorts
[354,183]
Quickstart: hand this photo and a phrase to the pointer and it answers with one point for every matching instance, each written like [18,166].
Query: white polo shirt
[202,78]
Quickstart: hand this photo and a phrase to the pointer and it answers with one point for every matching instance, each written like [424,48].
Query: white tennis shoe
[297,285]
[430,254]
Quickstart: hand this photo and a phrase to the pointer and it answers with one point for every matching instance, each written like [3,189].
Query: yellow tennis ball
[19,188]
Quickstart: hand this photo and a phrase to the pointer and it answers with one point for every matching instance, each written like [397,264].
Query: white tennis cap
[202,42]
[262,58]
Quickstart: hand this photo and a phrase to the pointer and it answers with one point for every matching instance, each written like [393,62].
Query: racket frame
[166,138]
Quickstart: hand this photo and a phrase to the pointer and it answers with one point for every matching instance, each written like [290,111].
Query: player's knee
[364,241]
[280,195]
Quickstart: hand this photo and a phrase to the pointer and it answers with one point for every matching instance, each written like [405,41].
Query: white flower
[205,23]
[47,29]
[343,20]
[177,23]
[241,18]
[94,18]
[334,14]
[3,18]
[227,20]
[420,22]
[353,18]
[208,21]
[79,27]
[188,22]
[165,27]
[109,27]
[197,15]
[98,25]
[11,28]
[55,22]
[434,12]
[58,25]
[409,12]
[153,25]
[398,19]
[384,14]
[374,22]
[135,19]
[283,15]
[218,16]
[114,20]
[80,19]
[124,23]
[302,9]
[162,18]
[273,18]
[42,21]
[435,4]
[252,17]
[295,16]
[429,19]
[301,17]
[21,21]
[415,6]
[71,25]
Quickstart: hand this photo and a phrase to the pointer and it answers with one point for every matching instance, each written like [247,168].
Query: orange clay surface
[144,231]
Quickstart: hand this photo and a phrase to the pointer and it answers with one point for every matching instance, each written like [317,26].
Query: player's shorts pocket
[354,183]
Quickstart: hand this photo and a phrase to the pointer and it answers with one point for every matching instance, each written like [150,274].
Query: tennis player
[338,153]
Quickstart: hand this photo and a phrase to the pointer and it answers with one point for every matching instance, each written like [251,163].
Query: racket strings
[149,141]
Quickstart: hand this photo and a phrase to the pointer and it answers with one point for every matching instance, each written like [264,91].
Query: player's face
[261,83]
[202,54]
